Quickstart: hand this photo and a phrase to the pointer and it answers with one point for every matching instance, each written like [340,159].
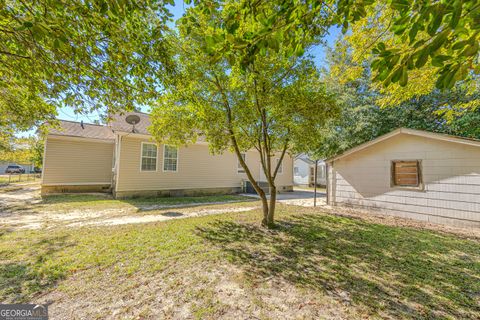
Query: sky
[318,52]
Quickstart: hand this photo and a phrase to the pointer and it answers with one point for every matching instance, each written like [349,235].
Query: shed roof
[420,133]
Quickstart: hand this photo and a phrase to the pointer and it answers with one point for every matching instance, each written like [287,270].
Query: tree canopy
[374,30]
[111,54]
[274,106]
[87,55]
[365,116]
[404,42]
[24,151]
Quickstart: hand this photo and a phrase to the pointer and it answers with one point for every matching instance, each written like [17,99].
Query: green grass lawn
[98,201]
[366,270]
[15,178]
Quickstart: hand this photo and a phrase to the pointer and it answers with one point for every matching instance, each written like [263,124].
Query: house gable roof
[82,130]
[413,132]
[76,129]
[118,123]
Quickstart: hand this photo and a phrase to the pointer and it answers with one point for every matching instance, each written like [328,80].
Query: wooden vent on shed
[406,173]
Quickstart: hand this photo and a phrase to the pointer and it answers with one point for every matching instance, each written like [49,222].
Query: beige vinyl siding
[70,162]
[450,173]
[196,169]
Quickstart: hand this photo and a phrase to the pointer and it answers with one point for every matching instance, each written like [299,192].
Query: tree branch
[14,54]
[279,164]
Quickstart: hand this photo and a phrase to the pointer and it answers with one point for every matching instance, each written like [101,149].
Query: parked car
[37,170]
[14,169]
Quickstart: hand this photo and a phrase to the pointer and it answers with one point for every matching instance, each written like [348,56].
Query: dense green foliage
[363,119]
[375,28]
[445,34]
[24,150]
[404,37]
[276,105]
[86,55]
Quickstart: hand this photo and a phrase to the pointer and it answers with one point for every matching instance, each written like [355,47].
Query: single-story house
[412,174]
[304,171]
[124,159]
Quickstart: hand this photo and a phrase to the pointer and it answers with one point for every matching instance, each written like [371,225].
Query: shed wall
[451,177]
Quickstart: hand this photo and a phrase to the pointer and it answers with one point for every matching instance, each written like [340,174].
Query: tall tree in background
[412,46]
[24,151]
[86,55]
[363,118]
[274,105]
[378,47]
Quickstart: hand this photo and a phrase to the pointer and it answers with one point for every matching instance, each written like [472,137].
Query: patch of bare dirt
[20,193]
[165,215]
[17,204]
[104,217]
[199,291]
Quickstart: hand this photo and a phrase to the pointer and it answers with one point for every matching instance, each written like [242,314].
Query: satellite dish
[132,119]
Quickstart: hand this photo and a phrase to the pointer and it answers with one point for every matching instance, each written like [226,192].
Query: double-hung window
[149,157]
[170,158]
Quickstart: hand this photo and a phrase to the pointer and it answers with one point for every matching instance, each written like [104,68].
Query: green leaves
[439,60]
[260,92]
[443,46]
[87,55]
[422,58]
[456,14]
[424,33]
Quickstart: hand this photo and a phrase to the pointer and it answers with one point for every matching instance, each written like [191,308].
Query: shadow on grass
[74,201]
[388,271]
[172,214]
[18,280]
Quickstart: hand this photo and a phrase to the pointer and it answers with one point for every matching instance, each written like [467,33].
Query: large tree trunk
[265,208]
[271,209]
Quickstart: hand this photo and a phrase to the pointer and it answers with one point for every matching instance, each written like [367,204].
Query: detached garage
[411,174]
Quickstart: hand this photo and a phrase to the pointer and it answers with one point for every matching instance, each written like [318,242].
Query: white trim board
[77,184]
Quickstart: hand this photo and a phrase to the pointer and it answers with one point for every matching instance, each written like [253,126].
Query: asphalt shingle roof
[106,132]
[83,130]
[118,123]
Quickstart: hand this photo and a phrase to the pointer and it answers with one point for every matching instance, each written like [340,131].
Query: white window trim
[240,170]
[141,157]
[163,159]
